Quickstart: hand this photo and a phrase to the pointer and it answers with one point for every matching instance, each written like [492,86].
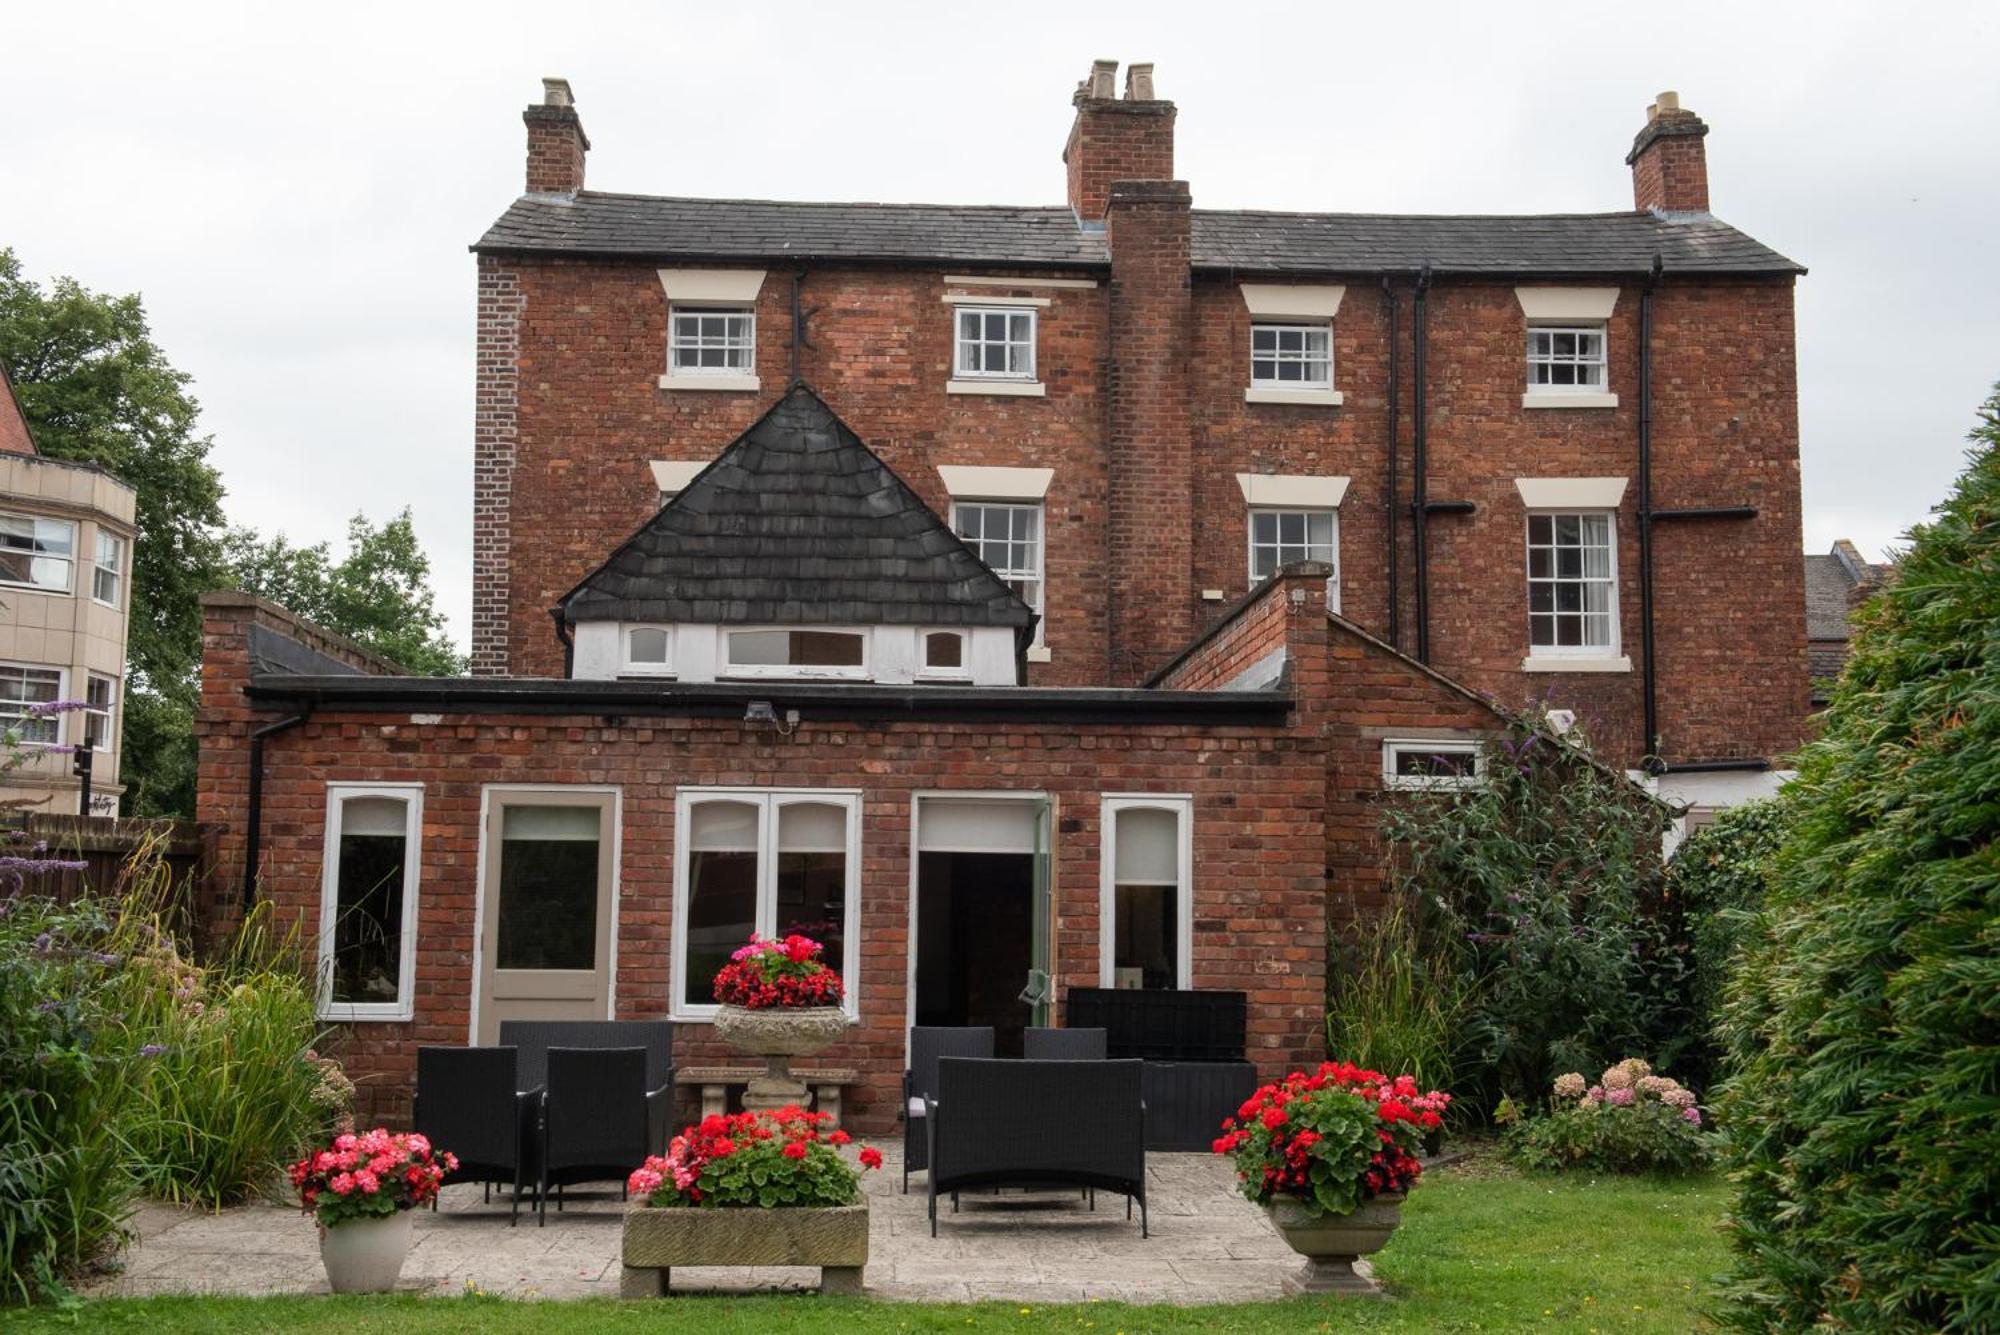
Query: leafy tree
[97,389]
[1863,1021]
[1540,886]
[378,594]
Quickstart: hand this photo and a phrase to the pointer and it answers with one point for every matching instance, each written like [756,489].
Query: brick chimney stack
[1113,139]
[1669,165]
[556,142]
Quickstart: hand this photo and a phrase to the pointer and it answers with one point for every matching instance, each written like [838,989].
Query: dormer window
[797,653]
[944,656]
[648,652]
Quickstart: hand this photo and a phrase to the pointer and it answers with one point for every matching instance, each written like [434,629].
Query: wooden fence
[105,845]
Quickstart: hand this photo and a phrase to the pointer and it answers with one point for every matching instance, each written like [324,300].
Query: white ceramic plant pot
[366,1255]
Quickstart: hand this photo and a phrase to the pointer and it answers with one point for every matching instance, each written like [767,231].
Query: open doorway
[976,900]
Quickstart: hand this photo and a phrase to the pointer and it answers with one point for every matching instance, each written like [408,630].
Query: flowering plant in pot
[1330,1155]
[750,1189]
[361,1190]
[779,1000]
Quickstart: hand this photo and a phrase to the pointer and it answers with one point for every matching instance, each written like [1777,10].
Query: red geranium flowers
[369,1176]
[1332,1139]
[787,974]
[786,1158]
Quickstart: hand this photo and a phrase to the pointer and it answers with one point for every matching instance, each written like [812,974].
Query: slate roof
[649,227]
[797,522]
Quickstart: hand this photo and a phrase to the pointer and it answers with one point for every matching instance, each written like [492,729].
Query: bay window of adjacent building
[1146,893]
[368,900]
[22,688]
[768,861]
[37,553]
[100,705]
[107,576]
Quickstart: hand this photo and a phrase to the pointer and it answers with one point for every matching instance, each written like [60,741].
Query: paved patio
[1208,1245]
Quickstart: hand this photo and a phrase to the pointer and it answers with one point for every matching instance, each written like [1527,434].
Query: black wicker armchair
[927,1044]
[535,1037]
[1037,1124]
[1065,1045]
[594,1123]
[469,1102]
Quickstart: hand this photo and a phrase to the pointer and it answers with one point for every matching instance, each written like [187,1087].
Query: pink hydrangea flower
[1693,1115]
[1622,1098]
[1678,1098]
[1570,1086]
[1595,1094]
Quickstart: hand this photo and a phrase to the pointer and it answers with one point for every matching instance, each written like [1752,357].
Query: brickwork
[1257,840]
[556,149]
[1112,141]
[1670,164]
[1151,446]
[1248,635]
[495,436]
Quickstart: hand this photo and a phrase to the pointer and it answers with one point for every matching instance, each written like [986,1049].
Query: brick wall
[495,435]
[1250,633]
[1112,141]
[1670,163]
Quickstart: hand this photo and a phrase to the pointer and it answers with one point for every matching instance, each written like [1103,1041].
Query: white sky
[293,190]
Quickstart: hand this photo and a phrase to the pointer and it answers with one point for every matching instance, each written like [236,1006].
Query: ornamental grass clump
[1630,1121]
[369,1176]
[789,1158]
[1332,1139]
[778,975]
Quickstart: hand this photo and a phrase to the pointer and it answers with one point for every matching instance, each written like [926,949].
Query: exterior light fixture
[760,711]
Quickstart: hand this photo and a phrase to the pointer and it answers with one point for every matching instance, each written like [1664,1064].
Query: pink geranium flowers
[786,1158]
[770,974]
[370,1175]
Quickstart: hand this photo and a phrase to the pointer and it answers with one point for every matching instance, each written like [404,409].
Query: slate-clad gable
[595,223]
[797,522]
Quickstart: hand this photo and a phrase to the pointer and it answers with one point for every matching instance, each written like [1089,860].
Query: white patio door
[547,906]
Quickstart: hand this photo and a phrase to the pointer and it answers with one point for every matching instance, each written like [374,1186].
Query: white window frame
[1583,328]
[109,713]
[1610,652]
[963,672]
[116,570]
[1251,545]
[18,718]
[1040,576]
[712,377]
[1109,805]
[769,801]
[69,562]
[404,1007]
[631,667]
[729,669]
[1303,358]
[959,343]
[1395,747]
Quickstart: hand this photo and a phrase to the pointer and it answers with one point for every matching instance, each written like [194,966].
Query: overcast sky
[293,189]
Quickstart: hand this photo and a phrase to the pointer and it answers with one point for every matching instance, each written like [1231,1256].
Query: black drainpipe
[799,339]
[253,835]
[1419,481]
[1395,611]
[1648,681]
[567,638]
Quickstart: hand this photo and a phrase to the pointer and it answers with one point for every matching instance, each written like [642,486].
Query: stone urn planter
[834,1238]
[366,1255]
[1332,1244]
[778,1035]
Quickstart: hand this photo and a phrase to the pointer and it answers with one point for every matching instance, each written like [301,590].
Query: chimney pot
[1103,80]
[556,93]
[1668,101]
[1139,82]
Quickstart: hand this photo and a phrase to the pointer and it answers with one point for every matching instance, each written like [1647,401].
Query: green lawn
[1481,1249]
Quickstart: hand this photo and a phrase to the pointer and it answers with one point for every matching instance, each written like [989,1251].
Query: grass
[1482,1248]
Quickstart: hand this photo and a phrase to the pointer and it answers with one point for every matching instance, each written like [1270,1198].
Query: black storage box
[1160,1025]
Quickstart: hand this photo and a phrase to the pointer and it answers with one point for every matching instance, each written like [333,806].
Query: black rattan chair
[990,1125]
[927,1044]
[535,1037]
[1064,1045]
[594,1124]
[469,1102]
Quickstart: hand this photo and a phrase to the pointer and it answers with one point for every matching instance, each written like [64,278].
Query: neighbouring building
[66,532]
[1836,583]
[1019,598]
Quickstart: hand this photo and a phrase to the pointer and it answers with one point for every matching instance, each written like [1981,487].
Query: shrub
[1332,1139]
[1391,1004]
[1538,888]
[1716,884]
[767,1160]
[1631,1121]
[1862,1022]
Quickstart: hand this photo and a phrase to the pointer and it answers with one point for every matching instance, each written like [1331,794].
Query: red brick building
[1052,588]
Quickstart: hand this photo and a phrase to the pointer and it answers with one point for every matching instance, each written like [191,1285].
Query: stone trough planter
[659,1241]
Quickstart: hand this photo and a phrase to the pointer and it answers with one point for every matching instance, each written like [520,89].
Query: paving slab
[1208,1245]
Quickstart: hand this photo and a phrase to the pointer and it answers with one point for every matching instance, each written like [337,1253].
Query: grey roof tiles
[654,228]
[797,522]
